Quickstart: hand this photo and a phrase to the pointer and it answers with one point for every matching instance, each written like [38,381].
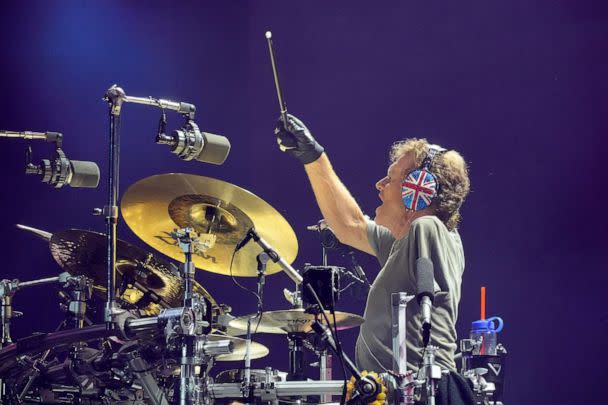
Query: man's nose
[381,183]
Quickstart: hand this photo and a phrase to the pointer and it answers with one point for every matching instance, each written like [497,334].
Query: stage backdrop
[518,87]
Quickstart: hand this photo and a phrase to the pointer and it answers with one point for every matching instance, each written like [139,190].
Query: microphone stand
[115,96]
[262,259]
[272,254]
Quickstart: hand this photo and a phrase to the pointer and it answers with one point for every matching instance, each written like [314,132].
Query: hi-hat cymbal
[294,321]
[145,281]
[219,212]
[258,350]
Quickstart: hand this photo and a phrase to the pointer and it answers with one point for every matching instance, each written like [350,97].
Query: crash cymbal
[219,212]
[258,350]
[144,281]
[294,321]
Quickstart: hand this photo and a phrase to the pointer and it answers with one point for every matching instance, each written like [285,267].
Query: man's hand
[294,138]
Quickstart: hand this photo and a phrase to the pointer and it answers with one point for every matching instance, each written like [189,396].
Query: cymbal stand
[403,380]
[8,288]
[325,357]
[191,329]
[429,373]
[325,370]
[296,344]
[296,356]
[262,259]
[77,291]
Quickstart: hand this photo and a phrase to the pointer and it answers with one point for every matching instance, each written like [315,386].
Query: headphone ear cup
[418,189]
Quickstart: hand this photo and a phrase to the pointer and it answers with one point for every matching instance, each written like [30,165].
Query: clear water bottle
[483,335]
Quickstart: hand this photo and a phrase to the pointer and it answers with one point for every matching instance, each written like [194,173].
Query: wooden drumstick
[275,73]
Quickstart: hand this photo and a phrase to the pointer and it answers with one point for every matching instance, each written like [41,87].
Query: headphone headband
[432,151]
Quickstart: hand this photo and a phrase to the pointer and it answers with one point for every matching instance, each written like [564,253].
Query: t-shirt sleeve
[381,240]
[429,238]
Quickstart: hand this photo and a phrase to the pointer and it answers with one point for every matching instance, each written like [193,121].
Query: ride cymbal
[294,321]
[219,212]
[144,281]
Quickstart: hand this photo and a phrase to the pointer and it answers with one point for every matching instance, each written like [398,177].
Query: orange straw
[483,303]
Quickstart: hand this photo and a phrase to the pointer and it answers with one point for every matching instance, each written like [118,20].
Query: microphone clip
[55,171]
[186,142]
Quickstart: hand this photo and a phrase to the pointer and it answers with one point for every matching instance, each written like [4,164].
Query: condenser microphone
[425,294]
[61,171]
[244,241]
[189,143]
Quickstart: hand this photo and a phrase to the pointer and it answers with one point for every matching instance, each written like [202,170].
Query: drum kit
[141,360]
[162,332]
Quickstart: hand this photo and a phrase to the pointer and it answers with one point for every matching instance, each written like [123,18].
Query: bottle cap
[487,325]
[482,325]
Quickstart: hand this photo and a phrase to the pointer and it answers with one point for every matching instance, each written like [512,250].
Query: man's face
[391,211]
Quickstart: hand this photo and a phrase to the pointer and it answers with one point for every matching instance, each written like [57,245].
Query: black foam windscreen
[84,174]
[424,278]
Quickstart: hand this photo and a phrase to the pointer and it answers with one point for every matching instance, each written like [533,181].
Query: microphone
[190,143]
[244,241]
[330,241]
[61,171]
[272,254]
[425,294]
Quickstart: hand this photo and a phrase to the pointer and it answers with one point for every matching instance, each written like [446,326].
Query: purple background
[518,87]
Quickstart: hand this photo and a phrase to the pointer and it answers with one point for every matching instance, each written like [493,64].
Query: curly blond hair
[451,172]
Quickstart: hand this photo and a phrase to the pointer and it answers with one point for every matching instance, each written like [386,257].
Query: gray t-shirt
[428,237]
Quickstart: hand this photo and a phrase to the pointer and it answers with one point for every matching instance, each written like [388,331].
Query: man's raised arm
[339,208]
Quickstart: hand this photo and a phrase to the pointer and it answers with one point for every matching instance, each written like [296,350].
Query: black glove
[295,139]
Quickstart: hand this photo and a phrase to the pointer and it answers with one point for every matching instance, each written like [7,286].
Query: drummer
[401,232]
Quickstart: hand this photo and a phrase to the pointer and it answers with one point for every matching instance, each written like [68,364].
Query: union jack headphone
[420,186]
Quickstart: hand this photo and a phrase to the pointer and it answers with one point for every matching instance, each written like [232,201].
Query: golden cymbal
[144,281]
[219,212]
[294,321]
